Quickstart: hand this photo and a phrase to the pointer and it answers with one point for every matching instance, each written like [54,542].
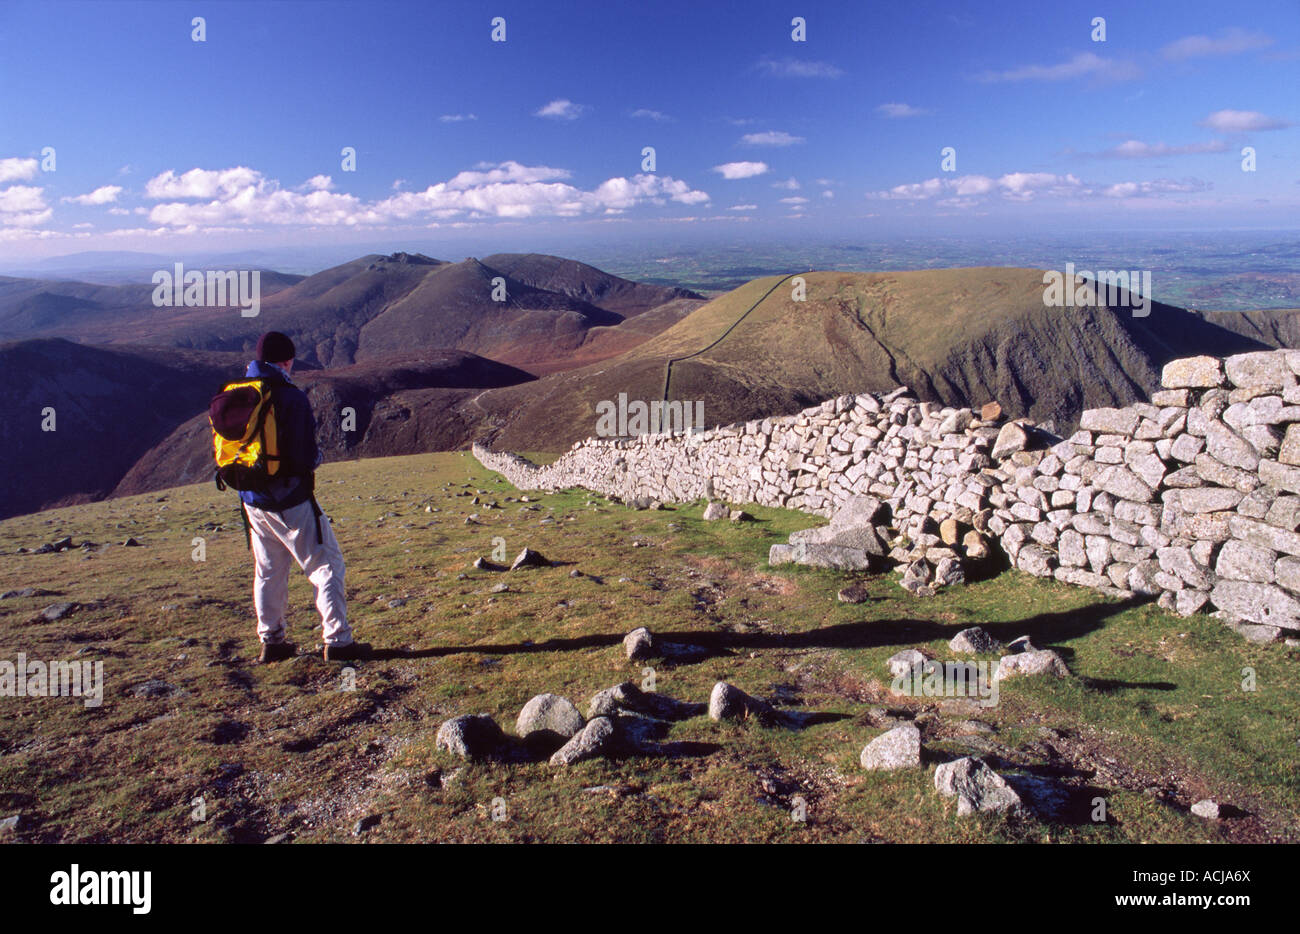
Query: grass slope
[958,336]
[1154,719]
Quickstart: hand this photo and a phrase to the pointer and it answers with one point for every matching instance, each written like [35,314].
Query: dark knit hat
[274,347]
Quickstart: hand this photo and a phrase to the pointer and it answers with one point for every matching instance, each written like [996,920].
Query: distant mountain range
[428,358]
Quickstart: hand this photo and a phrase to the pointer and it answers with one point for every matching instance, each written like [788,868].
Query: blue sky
[162,143]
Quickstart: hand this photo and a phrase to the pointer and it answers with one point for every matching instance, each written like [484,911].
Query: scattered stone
[364,824]
[154,687]
[974,641]
[727,702]
[24,592]
[977,787]
[901,663]
[57,611]
[11,824]
[854,593]
[630,698]
[529,559]
[470,736]
[990,412]
[639,644]
[1207,809]
[714,511]
[594,739]
[1030,662]
[896,749]
[548,719]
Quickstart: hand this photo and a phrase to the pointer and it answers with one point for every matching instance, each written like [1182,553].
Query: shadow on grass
[1043,629]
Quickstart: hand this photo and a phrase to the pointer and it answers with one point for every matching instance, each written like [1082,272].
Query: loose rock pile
[1192,498]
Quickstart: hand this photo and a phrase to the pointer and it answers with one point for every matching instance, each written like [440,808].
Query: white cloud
[23,206]
[15,170]
[1136,149]
[561,109]
[201,183]
[735,170]
[1243,121]
[771,138]
[509,171]
[828,194]
[790,184]
[457,118]
[318,183]
[896,111]
[796,199]
[505,190]
[657,116]
[1083,65]
[970,190]
[743,207]
[1229,42]
[105,194]
[1159,186]
[798,68]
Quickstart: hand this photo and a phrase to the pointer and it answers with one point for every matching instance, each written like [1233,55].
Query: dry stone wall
[1192,498]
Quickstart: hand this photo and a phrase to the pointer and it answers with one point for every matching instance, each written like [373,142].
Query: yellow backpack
[244,436]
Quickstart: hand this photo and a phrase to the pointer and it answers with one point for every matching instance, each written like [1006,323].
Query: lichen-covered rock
[978,789]
[974,641]
[1192,373]
[898,748]
[1038,662]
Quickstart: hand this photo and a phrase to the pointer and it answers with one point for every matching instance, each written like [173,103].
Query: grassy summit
[1153,719]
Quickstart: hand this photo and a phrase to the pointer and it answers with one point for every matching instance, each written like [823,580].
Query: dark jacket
[296,427]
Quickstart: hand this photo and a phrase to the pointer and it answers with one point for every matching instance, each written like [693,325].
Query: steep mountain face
[384,407]
[109,407]
[960,337]
[1277,328]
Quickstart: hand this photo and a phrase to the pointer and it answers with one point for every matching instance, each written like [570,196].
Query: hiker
[283,520]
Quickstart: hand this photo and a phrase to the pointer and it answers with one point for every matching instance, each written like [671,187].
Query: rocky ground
[641,675]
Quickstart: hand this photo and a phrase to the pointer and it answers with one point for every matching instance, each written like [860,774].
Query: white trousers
[281,538]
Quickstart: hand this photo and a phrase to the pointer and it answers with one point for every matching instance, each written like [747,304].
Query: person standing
[285,522]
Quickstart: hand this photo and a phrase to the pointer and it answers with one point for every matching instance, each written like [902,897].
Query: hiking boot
[276,652]
[351,652]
